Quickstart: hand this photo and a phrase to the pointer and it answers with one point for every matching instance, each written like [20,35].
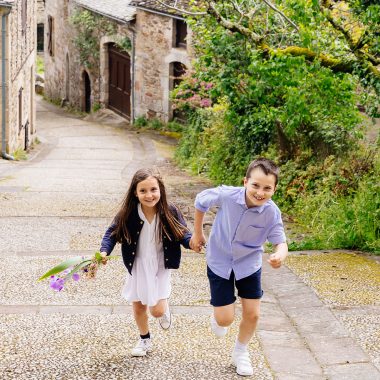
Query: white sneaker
[166,320]
[219,331]
[142,347]
[242,363]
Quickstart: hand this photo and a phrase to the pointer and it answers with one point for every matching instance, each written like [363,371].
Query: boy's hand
[197,242]
[275,260]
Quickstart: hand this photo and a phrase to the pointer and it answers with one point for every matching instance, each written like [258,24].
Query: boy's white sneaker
[242,362]
[166,320]
[142,347]
[219,331]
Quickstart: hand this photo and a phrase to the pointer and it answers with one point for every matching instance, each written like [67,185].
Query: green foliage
[207,146]
[96,107]
[90,28]
[172,128]
[124,43]
[20,155]
[156,124]
[40,69]
[140,121]
[337,202]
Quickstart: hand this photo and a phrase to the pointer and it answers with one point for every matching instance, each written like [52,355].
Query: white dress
[150,281]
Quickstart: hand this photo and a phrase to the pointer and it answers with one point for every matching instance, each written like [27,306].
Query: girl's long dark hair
[163,210]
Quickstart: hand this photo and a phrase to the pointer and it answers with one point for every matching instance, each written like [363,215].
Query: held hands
[197,242]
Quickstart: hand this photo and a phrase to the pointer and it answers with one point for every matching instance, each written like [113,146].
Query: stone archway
[176,72]
[86,102]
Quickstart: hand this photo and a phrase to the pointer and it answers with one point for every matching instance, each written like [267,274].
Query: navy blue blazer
[172,247]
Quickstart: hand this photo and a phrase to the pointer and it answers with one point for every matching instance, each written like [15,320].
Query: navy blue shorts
[223,291]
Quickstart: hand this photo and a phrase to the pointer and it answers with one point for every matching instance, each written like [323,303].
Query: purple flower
[205,103]
[208,86]
[57,283]
[76,277]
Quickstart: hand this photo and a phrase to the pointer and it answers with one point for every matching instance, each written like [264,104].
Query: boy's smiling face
[259,187]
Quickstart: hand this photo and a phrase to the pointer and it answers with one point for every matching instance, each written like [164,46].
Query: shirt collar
[241,201]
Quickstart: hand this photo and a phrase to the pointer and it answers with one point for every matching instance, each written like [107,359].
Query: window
[50,36]
[40,37]
[180,33]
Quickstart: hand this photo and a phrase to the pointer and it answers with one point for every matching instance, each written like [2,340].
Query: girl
[150,231]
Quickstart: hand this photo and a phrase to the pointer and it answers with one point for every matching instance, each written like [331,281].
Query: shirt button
[166,259]
[135,242]
[130,264]
[138,232]
[166,247]
[133,253]
[141,222]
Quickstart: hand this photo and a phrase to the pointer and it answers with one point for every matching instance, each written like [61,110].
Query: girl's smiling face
[148,192]
[259,187]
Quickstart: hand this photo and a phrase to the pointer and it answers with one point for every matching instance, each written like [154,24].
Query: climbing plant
[90,28]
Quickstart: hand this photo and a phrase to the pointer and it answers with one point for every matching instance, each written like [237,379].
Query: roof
[119,10]
[7,3]
[157,7]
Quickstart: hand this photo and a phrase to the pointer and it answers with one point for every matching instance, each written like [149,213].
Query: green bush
[348,220]
[140,121]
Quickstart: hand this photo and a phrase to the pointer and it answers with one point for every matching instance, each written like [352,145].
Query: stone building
[139,55]
[162,55]
[18,53]
[87,69]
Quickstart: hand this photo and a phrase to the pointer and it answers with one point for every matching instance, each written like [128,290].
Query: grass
[40,65]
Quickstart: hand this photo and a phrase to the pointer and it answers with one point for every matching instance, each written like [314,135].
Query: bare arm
[278,257]
[198,239]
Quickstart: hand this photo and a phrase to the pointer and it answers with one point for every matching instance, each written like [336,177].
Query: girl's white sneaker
[242,363]
[142,347]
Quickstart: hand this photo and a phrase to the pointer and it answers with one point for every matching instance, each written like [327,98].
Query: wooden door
[119,81]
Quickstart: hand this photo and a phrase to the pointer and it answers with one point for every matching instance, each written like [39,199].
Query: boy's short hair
[266,165]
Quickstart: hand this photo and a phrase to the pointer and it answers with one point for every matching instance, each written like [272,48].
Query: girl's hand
[197,242]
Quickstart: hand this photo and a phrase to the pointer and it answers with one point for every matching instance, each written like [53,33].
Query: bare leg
[158,310]
[250,317]
[224,315]
[141,317]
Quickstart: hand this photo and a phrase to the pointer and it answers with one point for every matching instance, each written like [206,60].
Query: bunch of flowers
[192,93]
[73,268]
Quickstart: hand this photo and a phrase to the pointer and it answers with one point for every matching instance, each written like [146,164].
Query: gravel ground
[20,286]
[350,283]
[97,347]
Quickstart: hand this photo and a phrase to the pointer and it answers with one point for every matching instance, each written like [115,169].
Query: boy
[246,218]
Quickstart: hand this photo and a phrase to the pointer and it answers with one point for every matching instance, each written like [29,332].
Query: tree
[342,35]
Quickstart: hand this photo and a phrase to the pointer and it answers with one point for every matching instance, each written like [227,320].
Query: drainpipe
[4,154]
[132,121]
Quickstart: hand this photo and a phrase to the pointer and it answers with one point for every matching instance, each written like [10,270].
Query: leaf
[62,266]
[98,256]
[78,267]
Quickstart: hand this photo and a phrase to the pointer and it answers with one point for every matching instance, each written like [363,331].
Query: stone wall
[20,65]
[62,65]
[64,73]
[154,52]
[40,11]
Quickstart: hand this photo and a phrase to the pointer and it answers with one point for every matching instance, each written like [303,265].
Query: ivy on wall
[90,29]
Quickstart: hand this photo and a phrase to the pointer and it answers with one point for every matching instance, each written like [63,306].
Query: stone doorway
[87,92]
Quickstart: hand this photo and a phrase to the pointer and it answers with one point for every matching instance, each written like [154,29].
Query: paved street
[58,204]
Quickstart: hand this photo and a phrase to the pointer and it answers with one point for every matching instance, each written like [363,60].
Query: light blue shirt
[238,233]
